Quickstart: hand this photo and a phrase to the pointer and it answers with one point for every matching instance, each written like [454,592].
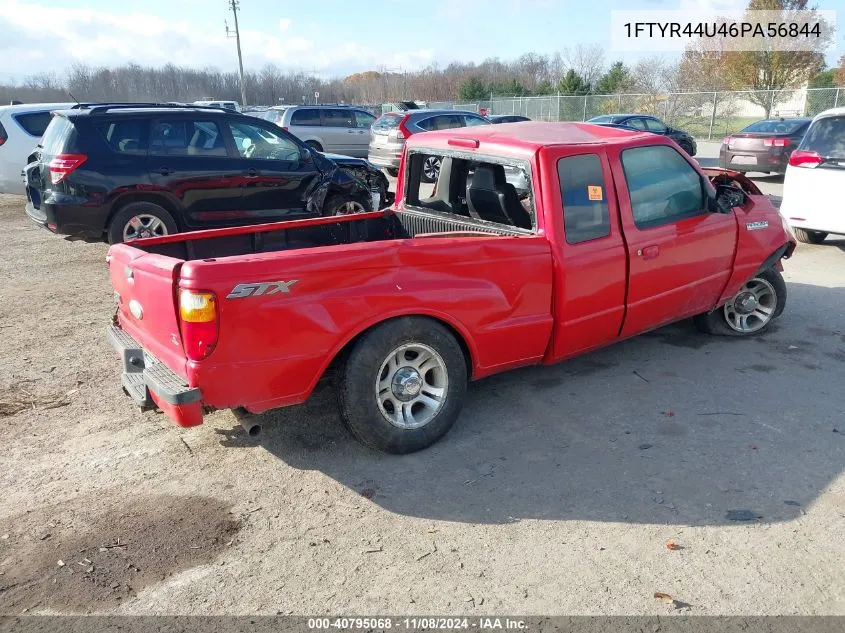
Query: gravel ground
[556,492]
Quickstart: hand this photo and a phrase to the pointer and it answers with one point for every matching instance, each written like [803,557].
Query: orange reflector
[197,307]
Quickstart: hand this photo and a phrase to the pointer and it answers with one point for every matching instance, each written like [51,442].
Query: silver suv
[334,129]
[392,128]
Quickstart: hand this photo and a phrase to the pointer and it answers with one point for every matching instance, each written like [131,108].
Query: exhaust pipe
[248,421]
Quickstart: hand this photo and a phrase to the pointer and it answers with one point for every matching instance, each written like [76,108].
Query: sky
[328,37]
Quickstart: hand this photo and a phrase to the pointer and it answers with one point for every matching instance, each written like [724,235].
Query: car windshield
[606,118]
[774,127]
[826,137]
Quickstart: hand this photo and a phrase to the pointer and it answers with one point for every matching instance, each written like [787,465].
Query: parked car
[260,112]
[21,127]
[626,234]
[274,114]
[506,118]
[337,129]
[226,105]
[392,129]
[763,146]
[815,180]
[133,170]
[644,122]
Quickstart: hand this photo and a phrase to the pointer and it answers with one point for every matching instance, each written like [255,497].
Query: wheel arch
[155,198]
[784,251]
[458,330]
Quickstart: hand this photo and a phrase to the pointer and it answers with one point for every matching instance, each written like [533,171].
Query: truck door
[591,274]
[680,254]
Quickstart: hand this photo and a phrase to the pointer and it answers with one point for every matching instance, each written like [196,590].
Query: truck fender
[772,261]
[782,252]
[461,333]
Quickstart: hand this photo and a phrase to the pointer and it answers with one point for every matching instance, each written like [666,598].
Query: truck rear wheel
[403,385]
[759,302]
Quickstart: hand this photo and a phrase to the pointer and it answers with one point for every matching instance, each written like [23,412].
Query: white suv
[21,128]
[815,180]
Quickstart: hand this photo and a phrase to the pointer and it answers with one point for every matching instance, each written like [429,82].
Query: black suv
[127,171]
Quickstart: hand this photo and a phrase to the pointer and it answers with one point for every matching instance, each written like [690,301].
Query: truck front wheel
[403,385]
[751,311]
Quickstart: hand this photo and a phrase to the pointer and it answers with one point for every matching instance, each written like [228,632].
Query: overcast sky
[327,36]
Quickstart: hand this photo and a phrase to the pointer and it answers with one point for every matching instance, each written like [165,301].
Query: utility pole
[235,5]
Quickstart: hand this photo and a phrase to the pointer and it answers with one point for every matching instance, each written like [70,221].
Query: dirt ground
[556,492]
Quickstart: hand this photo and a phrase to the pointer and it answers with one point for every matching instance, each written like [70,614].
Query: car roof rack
[96,108]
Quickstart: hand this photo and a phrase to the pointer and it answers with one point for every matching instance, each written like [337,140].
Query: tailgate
[145,284]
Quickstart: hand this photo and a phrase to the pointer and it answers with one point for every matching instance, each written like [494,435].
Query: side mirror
[305,154]
[728,198]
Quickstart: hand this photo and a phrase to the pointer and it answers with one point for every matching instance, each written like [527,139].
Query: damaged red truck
[537,243]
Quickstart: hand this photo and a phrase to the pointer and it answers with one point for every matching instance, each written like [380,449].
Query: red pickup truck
[538,242]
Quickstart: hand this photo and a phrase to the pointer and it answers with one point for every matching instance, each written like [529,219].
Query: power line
[235,5]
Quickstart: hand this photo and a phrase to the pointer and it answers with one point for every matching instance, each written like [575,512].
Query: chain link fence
[705,115]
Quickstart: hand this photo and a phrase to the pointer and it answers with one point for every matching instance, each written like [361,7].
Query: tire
[809,237]
[432,165]
[340,204]
[394,418]
[393,172]
[735,319]
[152,220]
[314,145]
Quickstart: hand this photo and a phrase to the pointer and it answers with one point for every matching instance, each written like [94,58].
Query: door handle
[252,172]
[350,131]
[164,171]
[649,252]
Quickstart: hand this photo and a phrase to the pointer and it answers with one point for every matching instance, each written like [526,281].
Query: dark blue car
[647,123]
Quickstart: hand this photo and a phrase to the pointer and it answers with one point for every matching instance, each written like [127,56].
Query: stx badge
[268,288]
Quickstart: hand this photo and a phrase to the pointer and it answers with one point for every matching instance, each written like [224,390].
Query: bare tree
[585,59]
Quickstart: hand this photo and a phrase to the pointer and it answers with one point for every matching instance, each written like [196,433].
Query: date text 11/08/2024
[418,623]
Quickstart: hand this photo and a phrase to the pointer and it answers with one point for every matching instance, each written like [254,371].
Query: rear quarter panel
[494,291]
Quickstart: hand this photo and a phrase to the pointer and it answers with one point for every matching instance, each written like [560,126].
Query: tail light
[803,158]
[403,131]
[64,164]
[199,323]
[775,142]
[727,140]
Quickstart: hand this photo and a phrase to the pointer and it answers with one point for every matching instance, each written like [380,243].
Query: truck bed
[316,232]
